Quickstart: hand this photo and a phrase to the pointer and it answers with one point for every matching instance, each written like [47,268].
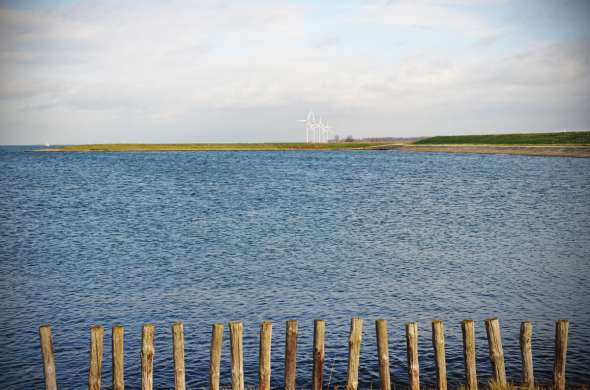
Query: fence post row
[492,326]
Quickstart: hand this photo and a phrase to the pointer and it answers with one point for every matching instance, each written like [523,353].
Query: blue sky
[221,71]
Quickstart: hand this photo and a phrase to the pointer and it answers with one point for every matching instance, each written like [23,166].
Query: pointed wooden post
[354,353]
[383,353]
[178,353]
[468,330]
[496,352]
[147,357]
[237,357]
[118,358]
[96,352]
[319,328]
[438,343]
[561,331]
[291,355]
[48,357]
[215,356]
[412,351]
[526,353]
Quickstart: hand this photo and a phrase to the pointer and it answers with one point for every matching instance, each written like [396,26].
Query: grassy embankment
[566,144]
[198,147]
[565,138]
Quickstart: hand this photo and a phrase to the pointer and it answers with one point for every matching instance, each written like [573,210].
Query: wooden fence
[492,326]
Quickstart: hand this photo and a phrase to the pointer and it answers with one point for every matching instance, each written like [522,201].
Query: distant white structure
[316,130]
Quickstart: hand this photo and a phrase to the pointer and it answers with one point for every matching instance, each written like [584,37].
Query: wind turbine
[316,130]
[308,124]
[306,129]
[328,130]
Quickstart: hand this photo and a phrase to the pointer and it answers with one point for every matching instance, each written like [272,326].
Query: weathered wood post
[96,352]
[526,353]
[354,353]
[291,355]
[383,353]
[237,358]
[319,329]
[561,331]
[178,353]
[264,355]
[118,358]
[496,352]
[438,343]
[412,351]
[215,355]
[147,357]
[48,357]
[468,330]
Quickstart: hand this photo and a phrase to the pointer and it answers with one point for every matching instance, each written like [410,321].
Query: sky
[245,71]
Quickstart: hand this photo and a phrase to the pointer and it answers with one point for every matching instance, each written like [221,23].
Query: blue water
[129,238]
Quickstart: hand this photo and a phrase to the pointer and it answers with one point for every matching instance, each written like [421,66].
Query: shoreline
[580,151]
[212,147]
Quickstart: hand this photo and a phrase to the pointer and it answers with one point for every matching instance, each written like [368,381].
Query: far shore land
[565,144]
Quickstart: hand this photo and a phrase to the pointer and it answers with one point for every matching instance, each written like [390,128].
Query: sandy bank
[529,150]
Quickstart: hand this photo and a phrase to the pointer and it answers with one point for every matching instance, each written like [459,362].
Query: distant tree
[349,139]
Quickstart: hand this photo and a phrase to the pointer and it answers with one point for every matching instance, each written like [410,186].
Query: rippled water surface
[129,238]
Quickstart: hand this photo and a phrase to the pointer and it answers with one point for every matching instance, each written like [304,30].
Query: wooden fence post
[496,352]
[412,352]
[561,330]
[178,353]
[264,355]
[526,353]
[438,343]
[215,356]
[147,357]
[383,353]
[118,358]
[237,358]
[319,329]
[96,352]
[48,357]
[291,355]
[354,353]
[468,330]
